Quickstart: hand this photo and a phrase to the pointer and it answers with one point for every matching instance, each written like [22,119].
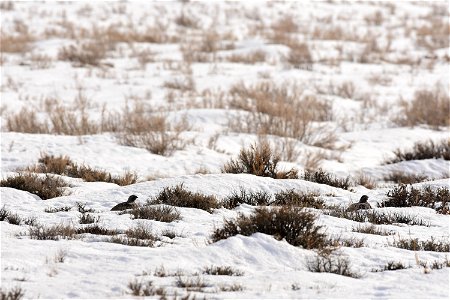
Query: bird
[125,205]
[362,204]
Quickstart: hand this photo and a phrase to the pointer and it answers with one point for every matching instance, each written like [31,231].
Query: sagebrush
[291,223]
[259,160]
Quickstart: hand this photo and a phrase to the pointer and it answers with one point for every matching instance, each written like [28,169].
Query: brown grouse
[125,205]
[362,204]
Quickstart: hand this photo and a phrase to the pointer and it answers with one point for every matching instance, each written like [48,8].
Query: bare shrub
[365,180]
[140,236]
[40,61]
[63,165]
[46,187]
[231,288]
[331,263]
[152,131]
[246,197]
[15,219]
[184,84]
[58,118]
[185,19]
[428,245]
[96,229]
[71,120]
[7,5]
[144,57]
[331,32]
[204,48]
[192,53]
[405,178]
[19,40]
[171,234]
[280,110]
[371,229]
[26,120]
[375,217]
[291,223]
[392,266]
[338,242]
[138,288]
[83,53]
[429,107]
[259,160]
[118,33]
[81,207]
[346,90]
[196,284]
[436,265]
[86,218]
[55,232]
[285,24]
[222,270]
[295,198]
[161,213]
[323,177]
[423,150]
[402,196]
[433,35]
[4,213]
[15,293]
[300,56]
[179,196]
[52,164]
[313,159]
[248,58]
[149,130]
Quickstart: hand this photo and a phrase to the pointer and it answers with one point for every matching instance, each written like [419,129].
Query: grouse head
[132,198]
[363,199]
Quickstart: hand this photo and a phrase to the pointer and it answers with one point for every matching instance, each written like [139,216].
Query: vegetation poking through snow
[323,177]
[45,187]
[423,150]
[296,198]
[428,245]
[63,165]
[54,232]
[244,196]
[392,266]
[405,178]
[334,263]
[141,289]
[15,293]
[161,213]
[291,223]
[372,229]
[407,196]
[259,160]
[222,270]
[179,196]
[52,210]
[375,217]
[15,219]
[140,235]
[97,230]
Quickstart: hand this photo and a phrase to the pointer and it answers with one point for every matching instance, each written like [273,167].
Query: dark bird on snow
[125,205]
[362,204]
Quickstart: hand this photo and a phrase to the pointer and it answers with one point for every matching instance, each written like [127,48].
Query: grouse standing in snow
[125,205]
[362,204]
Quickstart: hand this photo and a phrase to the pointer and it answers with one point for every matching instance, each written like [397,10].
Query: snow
[94,268]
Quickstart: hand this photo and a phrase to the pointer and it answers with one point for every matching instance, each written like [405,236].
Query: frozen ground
[362,122]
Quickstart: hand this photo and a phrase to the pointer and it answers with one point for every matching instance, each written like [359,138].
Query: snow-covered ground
[362,121]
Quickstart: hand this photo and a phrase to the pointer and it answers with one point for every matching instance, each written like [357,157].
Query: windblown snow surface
[271,268]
